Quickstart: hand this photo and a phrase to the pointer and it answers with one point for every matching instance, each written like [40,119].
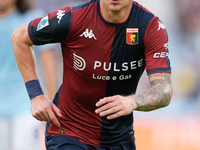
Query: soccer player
[106,46]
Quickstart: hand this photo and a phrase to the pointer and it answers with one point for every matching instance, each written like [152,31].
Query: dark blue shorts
[70,143]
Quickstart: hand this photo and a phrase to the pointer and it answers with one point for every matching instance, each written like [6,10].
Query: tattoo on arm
[159,95]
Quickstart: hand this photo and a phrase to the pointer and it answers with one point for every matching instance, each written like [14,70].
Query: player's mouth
[115,1]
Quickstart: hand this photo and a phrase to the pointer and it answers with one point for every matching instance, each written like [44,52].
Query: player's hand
[43,109]
[115,106]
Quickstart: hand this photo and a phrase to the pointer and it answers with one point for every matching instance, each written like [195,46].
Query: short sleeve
[156,48]
[52,28]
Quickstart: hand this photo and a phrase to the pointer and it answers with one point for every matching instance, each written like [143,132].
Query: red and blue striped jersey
[100,59]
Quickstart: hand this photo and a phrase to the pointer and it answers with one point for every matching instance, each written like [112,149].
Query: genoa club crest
[132,36]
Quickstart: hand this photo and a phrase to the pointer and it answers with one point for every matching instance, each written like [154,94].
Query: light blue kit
[13,95]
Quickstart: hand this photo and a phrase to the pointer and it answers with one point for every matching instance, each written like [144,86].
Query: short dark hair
[24,5]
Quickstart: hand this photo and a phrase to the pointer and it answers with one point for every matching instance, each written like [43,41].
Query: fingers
[104,101]
[107,109]
[111,112]
[56,110]
[44,110]
[114,106]
[58,113]
[108,106]
[115,115]
[52,117]
[47,116]
[41,116]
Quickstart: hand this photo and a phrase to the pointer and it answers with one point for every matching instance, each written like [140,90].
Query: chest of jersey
[97,50]
[101,52]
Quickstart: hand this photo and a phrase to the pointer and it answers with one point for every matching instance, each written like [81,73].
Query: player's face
[116,5]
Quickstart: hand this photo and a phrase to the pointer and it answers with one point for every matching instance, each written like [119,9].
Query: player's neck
[118,16]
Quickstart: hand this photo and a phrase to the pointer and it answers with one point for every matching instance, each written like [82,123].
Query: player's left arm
[159,73]
[158,96]
[158,68]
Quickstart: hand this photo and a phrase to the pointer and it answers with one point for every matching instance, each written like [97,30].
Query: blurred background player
[18,130]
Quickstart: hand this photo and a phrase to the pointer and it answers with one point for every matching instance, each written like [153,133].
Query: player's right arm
[41,108]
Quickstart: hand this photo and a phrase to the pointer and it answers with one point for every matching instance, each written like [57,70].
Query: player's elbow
[15,36]
[20,36]
[167,95]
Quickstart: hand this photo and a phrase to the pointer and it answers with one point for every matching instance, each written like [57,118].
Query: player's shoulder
[140,17]
[141,13]
[141,8]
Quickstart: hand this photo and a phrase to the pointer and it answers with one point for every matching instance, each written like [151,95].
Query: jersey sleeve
[156,48]
[52,28]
